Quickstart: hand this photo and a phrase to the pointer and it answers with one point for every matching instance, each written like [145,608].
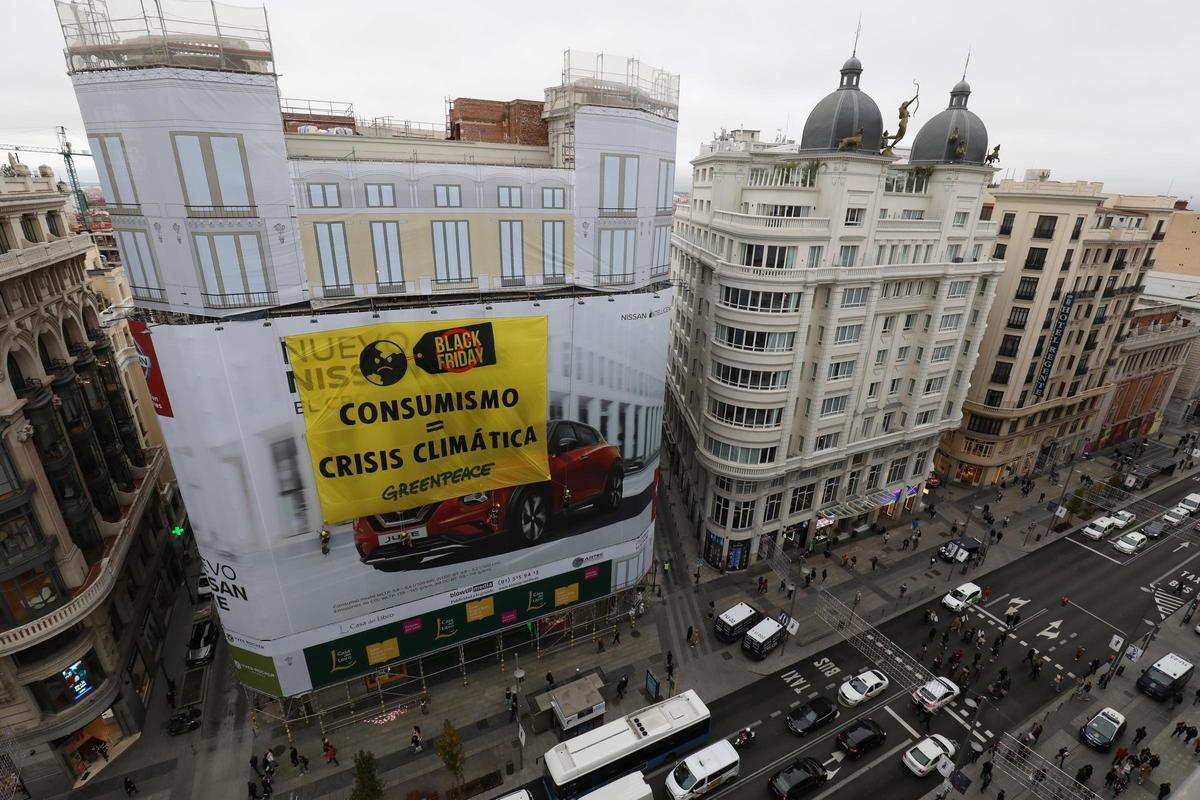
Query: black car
[812,715]
[1155,529]
[860,737]
[202,644]
[797,779]
[1104,728]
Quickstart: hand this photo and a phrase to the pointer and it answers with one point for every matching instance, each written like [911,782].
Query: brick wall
[497,121]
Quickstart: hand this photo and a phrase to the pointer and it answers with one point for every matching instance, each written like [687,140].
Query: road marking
[1097,552]
[996,600]
[959,718]
[1181,546]
[990,615]
[1032,618]
[1051,630]
[1175,568]
[864,768]
[793,704]
[1016,603]
[775,713]
[1071,675]
[896,717]
[1095,617]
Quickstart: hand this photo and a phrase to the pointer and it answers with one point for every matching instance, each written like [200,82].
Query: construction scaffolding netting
[616,81]
[197,34]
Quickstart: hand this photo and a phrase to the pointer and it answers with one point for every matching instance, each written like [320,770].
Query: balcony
[239,299]
[1085,294]
[1109,291]
[148,293]
[616,212]
[128,210]
[664,211]
[758,224]
[1043,233]
[614,279]
[929,225]
[1115,235]
[338,290]
[101,579]
[391,287]
[33,256]
[1120,263]
[1146,336]
[986,227]
[222,212]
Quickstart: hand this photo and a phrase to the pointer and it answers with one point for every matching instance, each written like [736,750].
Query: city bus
[632,787]
[636,742]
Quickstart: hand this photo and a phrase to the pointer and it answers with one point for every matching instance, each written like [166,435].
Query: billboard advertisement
[475,466]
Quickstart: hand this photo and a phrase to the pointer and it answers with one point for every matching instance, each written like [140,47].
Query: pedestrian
[329,751]
[1120,755]
[1079,651]
[792,589]
[1030,655]
[1196,701]
[1192,731]
[303,764]
[550,679]
[766,585]
[999,536]
[1041,498]
[853,562]
[670,661]
[415,739]
[267,788]
[932,562]
[985,775]
[1197,747]
[1144,772]
[1093,665]
[1110,778]
[946,635]
[268,760]
[903,588]
[857,597]
[599,645]
[824,574]
[712,610]
[904,544]
[695,640]
[622,685]
[1061,755]
[616,640]
[1004,524]
[254,765]
[1164,789]
[875,562]
[1000,795]
[1138,735]
[252,789]
[130,787]
[690,631]
[1036,731]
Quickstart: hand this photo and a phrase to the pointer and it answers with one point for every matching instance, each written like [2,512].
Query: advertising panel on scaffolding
[475,467]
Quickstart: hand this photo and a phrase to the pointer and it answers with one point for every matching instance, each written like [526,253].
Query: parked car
[1099,528]
[184,720]
[1129,543]
[960,549]
[1176,515]
[922,758]
[585,470]
[797,779]
[935,694]
[1123,518]
[862,736]
[966,595]
[203,589]
[1155,529]
[1103,729]
[864,686]
[817,712]
[202,644]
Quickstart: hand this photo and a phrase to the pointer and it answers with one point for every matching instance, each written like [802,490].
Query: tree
[450,751]
[1075,504]
[367,784]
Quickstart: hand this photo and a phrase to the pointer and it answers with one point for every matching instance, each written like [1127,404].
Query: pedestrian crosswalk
[1167,602]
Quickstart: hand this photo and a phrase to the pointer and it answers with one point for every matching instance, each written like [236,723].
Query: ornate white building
[830,301]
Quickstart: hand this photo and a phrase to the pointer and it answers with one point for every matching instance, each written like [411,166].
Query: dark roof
[840,114]
[933,145]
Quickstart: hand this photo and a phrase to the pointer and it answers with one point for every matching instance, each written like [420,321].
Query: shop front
[726,554]
[90,747]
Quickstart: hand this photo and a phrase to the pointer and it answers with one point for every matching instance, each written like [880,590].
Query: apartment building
[88,574]
[1076,259]
[831,298]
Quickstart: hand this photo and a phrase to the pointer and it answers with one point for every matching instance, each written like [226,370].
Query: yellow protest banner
[405,413]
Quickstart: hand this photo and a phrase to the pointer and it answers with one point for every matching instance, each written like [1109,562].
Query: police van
[1166,676]
[731,625]
[703,771]
[764,637]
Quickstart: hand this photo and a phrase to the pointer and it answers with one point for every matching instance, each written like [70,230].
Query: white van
[1099,528]
[1191,503]
[763,638]
[703,771]
[733,624]
[1166,676]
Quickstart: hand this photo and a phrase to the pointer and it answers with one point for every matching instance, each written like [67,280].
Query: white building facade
[830,298]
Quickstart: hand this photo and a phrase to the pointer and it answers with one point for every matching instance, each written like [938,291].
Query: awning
[864,505]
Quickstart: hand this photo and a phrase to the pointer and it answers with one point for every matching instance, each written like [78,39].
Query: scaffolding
[195,34]
[597,79]
[11,785]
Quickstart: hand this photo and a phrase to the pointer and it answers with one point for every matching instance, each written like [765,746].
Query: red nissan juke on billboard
[585,470]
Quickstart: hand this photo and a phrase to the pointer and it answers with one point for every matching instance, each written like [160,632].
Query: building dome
[933,144]
[839,115]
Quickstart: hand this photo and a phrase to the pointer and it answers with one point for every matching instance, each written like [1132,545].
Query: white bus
[631,787]
[639,741]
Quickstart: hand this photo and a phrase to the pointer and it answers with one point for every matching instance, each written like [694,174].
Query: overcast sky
[1095,90]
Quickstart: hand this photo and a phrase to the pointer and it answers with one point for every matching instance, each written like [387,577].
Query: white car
[1123,518]
[203,589]
[1130,542]
[1176,515]
[922,758]
[862,687]
[1099,528]
[935,694]
[965,595]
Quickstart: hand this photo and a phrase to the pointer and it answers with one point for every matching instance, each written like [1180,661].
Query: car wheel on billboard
[529,515]
[614,489]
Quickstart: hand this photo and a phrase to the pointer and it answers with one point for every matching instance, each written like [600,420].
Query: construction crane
[68,154]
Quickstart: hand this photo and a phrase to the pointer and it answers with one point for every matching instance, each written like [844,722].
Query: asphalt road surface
[1112,597]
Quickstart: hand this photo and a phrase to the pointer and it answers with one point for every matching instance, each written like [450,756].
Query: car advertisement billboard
[574,506]
[407,413]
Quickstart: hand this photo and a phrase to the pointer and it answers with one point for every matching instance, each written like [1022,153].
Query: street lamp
[1061,497]
[799,559]
[519,675]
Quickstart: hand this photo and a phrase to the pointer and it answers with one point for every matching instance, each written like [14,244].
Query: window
[889,323]
[1078,229]
[986,425]
[1035,258]
[772,507]
[893,386]
[976,252]
[553,264]
[838,370]
[666,185]
[618,184]
[554,198]
[880,357]
[1017,317]
[897,469]
[910,321]
[509,196]
[140,266]
[755,300]
[1001,371]
[662,250]
[802,498]
[1027,289]
[743,417]
[959,289]
[743,515]
[960,219]
[720,510]
[814,255]
[1006,223]
[213,171]
[331,253]
[739,455]
[381,195]
[324,195]
[855,216]
[829,491]
[901,354]
[385,240]
[451,251]
[833,405]
[770,256]
[993,398]
[919,462]
[847,255]
[108,150]
[925,417]
[873,390]
[828,441]
[912,213]
[873,476]
[905,181]
[761,341]
[933,385]
[1044,229]
[512,251]
[950,322]
[942,353]
[954,253]
[447,196]
[999,252]
[855,297]
[865,429]
[616,256]
[1009,346]
[232,269]
[886,424]
[847,334]
[763,380]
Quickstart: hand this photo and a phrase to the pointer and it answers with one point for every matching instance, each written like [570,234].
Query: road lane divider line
[1174,569]
[1097,618]
[897,717]
[863,769]
[997,600]
[1094,550]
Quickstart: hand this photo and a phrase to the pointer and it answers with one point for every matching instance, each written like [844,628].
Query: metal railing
[218,212]
[616,212]
[338,290]
[239,299]
[614,279]
[664,211]
[391,287]
[318,108]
